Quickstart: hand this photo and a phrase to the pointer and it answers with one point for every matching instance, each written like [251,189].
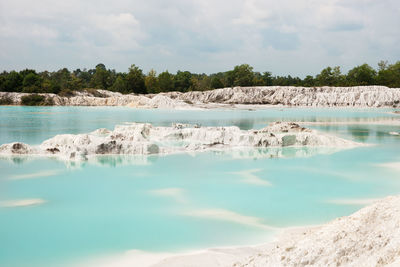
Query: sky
[286,37]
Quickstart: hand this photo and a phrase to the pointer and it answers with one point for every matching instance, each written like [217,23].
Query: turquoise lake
[182,202]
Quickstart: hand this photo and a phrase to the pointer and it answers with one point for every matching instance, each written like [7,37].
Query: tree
[182,81]
[382,65]
[200,82]
[330,77]
[62,78]
[120,85]
[151,82]
[13,82]
[135,80]
[267,78]
[216,83]
[166,82]
[389,75]
[100,78]
[32,79]
[243,75]
[361,75]
[309,81]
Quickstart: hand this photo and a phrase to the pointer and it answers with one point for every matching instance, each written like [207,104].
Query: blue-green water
[174,203]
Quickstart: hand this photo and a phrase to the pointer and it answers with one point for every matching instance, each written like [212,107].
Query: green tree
[32,79]
[135,80]
[267,78]
[13,82]
[100,78]
[330,77]
[389,75]
[120,85]
[200,82]
[216,83]
[243,75]
[151,82]
[166,81]
[61,78]
[361,75]
[309,81]
[182,81]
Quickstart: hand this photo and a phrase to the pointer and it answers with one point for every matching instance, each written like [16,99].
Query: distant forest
[65,82]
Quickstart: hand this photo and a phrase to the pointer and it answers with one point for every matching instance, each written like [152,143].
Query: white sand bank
[21,202]
[369,237]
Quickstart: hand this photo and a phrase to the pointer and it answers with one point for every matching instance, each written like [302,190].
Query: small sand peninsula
[369,237]
[21,202]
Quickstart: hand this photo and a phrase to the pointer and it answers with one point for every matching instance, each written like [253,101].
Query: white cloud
[294,37]
[123,30]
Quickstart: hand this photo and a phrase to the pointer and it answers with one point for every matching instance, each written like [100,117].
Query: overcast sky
[296,37]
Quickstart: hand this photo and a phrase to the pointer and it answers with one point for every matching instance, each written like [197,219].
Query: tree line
[65,82]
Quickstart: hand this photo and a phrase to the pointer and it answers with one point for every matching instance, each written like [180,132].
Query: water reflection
[360,134]
[33,125]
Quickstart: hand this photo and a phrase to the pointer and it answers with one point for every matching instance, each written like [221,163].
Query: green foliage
[151,82]
[120,85]
[361,75]
[135,80]
[330,77]
[66,93]
[309,81]
[389,75]
[200,82]
[166,81]
[31,79]
[243,75]
[65,82]
[95,92]
[35,100]
[5,101]
[216,83]
[100,79]
[267,78]
[182,81]
[13,82]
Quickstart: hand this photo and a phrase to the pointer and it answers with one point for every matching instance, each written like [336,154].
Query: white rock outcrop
[359,96]
[145,139]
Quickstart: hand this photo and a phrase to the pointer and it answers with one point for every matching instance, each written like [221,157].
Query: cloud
[118,31]
[285,37]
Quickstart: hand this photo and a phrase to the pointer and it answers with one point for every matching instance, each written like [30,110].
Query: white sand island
[146,139]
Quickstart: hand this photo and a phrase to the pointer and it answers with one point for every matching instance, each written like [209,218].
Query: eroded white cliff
[360,96]
[145,139]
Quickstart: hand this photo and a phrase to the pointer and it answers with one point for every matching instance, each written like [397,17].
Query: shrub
[5,101]
[95,93]
[66,93]
[36,100]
